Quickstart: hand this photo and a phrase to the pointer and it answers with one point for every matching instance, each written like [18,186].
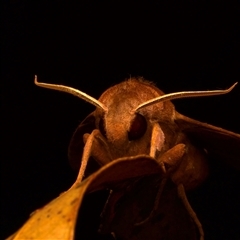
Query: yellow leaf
[57,219]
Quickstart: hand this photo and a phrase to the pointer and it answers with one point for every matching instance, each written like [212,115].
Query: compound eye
[102,127]
[138,127]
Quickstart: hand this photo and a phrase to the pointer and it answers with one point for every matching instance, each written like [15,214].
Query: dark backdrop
[179,45]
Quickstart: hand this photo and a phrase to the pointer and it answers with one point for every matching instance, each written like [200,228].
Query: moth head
[126,114]
[135,130]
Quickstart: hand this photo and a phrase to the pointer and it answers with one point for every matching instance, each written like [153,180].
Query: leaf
[125,209]
[57,219]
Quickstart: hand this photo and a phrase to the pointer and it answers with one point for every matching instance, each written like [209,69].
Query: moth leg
[100,150]
[172,159]
[109,210]
[182,195]
[86,154]
[156,203]
[157,141]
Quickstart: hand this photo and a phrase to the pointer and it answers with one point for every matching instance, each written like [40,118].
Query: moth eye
[102,127]
[138,127]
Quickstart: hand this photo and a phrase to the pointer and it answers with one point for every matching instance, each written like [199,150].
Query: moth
[133,118]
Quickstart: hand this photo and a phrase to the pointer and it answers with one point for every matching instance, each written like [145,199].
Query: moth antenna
[177,95]
[72,91]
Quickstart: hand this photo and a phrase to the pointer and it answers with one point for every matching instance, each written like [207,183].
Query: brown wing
[220,142]
[75,148]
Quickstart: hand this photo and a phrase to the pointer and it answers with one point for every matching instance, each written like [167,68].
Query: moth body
[129,133]
[134,120]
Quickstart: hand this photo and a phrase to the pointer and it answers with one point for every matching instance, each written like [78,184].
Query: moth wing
[222,143]
[76,145]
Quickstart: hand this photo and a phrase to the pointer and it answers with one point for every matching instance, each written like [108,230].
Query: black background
[179,45]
